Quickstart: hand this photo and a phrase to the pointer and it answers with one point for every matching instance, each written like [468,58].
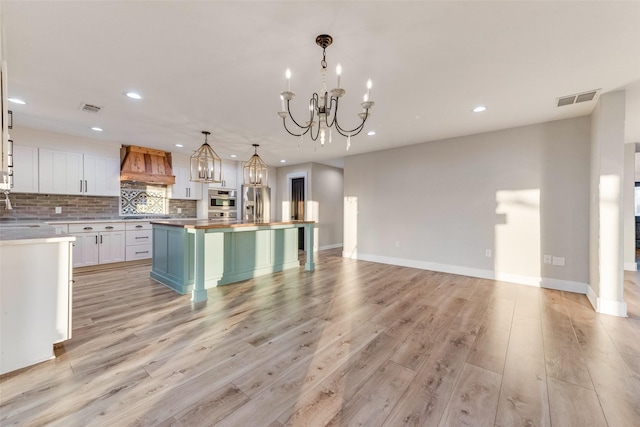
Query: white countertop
[17,232]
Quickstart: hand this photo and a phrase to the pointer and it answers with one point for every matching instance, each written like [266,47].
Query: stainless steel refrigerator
[256,203]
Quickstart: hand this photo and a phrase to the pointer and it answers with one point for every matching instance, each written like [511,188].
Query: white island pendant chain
[320,106]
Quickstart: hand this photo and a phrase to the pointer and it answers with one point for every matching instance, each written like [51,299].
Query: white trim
[630,266]
[335,245]
[540,282]
[607,306]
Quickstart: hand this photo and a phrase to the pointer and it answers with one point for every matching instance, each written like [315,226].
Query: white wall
[520,193]
[59,141]
[629,208]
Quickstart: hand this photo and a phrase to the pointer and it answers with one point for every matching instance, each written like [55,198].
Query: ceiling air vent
[90,108]
[576,98]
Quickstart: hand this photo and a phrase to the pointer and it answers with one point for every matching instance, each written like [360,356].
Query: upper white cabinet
[101,175]
[62,172]
[229,176]
[25,169]
[184,188]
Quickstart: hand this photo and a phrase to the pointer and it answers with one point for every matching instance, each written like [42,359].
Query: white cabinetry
[98,243]
[184,188]
[138,241]
[229,176]
[25,169]
[35,300]
[62,172]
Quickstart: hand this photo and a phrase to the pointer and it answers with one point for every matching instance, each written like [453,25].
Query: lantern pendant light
[255,171]
[205,164]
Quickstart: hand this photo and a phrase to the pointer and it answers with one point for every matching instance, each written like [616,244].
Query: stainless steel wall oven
[222,204]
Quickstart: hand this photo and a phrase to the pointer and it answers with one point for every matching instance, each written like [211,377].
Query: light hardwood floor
[353,343]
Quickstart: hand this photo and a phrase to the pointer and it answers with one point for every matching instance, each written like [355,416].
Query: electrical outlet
[547,259]
[558,260]
[179,210]
[58,209]
[397,243]
[487,253]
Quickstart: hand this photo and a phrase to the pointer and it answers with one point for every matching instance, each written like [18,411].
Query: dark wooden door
[297,206]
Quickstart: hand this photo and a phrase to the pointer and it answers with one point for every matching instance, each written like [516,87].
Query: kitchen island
[194,255]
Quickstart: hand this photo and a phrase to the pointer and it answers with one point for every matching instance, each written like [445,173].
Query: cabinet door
[179,189]
[101,175]
[112,244]
[228,175]
[194,190]
[25,169]
[60,172]
[85,249]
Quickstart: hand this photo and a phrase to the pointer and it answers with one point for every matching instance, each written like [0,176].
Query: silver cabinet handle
[109,227]
[138,226]
[96,240]
[144,237]
[81,186]
[101,239]
[142,252]
[85,185]
[88,228]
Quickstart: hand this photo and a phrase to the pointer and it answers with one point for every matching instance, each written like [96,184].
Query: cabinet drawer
[96,226]
[138,252]
[141,237]
[131,226]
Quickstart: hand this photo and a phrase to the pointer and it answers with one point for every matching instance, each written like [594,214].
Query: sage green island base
[194,255]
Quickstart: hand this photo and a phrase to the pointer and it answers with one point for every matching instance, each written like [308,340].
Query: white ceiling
[219,66]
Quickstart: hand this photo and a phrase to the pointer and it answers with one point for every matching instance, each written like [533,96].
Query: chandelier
[323,107]
[255,171]
[205,164]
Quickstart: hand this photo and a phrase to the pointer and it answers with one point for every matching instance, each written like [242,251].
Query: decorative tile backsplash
[150,201]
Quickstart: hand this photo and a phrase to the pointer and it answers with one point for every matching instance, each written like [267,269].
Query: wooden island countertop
[218,223]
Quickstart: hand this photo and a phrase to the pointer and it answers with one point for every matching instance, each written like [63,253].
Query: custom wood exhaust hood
[146,165]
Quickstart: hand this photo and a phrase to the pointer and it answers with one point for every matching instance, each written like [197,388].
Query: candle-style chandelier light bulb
[323,107]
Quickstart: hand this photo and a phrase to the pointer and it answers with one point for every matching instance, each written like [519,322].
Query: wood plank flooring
[352,344]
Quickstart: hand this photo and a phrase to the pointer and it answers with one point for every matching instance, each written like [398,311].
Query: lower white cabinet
[98,243]
[139,243]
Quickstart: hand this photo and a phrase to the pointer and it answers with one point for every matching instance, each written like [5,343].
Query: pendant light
[206,165]
[255,171]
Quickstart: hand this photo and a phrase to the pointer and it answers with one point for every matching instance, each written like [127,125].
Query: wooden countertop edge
[205,224]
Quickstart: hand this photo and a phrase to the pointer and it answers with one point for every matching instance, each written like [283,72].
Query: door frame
[290,178]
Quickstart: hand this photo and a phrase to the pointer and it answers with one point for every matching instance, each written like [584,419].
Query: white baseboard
[604,306]
[630,266]
[541,282]
[336,245]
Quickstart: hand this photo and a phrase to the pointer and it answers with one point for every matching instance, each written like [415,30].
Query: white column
[606,231]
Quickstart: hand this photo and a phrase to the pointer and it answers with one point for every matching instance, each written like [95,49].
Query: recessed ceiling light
[133,95]
[283,161]
[16,101]
[371,132]
[179,145]
[233,156]
[97,129]
[479,109]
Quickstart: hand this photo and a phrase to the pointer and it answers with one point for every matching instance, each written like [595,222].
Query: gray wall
[324,190]
[520,193]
